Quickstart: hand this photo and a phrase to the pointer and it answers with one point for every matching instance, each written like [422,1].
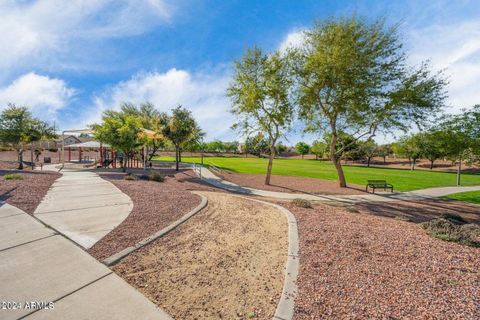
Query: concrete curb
[113,259]
[286,304]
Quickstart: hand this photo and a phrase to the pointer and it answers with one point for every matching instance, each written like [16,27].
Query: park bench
[378,184]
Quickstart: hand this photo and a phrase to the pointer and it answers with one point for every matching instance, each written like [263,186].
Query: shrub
[12,176]
[467,234]
[129,176]
[155,176]
[302,203]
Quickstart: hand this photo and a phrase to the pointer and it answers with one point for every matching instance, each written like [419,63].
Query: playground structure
[107,156]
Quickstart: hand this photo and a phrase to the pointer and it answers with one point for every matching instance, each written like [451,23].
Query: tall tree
[410,147]
[181,129]
[122,131]
[433,145]
[318,148]
[353,76]
[151,119]
[302,148]
[19,128]
[368,149]
[461,134]
[384,151]
[260,97]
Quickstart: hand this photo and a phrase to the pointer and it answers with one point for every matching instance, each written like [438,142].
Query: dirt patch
[28,191]
[227,262]
[292,184]
[361,266]
[155,206]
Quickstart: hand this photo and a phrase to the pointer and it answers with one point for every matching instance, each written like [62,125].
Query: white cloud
[293,39]
[454,48]
[202,93]
[40,29]
[43,95]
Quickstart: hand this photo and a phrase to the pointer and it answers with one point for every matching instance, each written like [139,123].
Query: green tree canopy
[122,131]
[260,97]
[181,129]
[353,76]
[18,127]
[302,148]
[319,148]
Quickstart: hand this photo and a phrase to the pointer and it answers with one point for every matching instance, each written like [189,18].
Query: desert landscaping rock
[156,206]
[226,262]
[28,192]
[362,266]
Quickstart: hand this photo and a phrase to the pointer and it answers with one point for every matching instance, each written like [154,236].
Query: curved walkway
[83,206]
[38,264]
[216,181]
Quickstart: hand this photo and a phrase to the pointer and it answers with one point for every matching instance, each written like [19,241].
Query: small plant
[130,176]
[302,203]
[155,176]
[467,234]
[12,176]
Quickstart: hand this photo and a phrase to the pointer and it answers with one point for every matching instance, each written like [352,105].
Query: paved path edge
[115,258]
[286,304]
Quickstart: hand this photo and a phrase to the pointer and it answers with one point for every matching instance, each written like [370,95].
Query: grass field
[471,196]
[403,180]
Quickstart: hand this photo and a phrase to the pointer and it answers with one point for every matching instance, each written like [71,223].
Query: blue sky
[70,60]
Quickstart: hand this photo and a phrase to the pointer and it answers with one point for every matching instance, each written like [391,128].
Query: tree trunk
[316,157]
[414,161]
[176,158]
[302,156]
[179,155]
[384,159]
[431,164]
[368,161]
[336,162]
[20,159]
[459,170]
[270,165]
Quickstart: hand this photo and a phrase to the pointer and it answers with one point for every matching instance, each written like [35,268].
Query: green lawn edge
[403,180]
[468,196]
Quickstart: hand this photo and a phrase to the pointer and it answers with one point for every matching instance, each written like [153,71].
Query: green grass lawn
[402,180]
[470,196]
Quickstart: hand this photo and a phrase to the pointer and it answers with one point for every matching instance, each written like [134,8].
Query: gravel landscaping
[27,189]
[226,262]
[292,184]
[361,266]
[155,206]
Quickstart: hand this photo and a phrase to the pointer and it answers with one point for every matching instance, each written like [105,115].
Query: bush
[155,176]
[448,230]
[12,176]
[53,149]
[302,203]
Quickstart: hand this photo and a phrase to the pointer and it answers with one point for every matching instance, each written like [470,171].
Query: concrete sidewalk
[83,206]
[39,265]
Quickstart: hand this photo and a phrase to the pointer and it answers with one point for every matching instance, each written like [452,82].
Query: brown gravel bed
[292,184]
[155,206]
[421,211]
[226,262]
[27,193]
[361,266]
